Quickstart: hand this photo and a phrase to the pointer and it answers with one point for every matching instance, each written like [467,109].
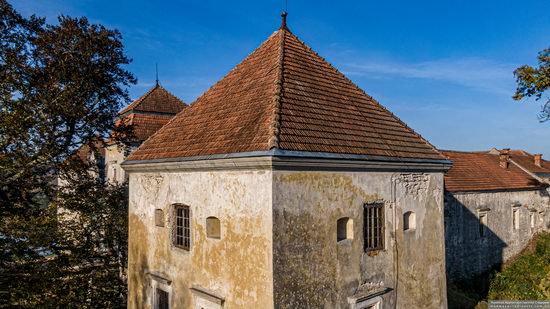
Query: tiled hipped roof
[285,96]
[151,111]
[145,125]
[477,171]
[157,100]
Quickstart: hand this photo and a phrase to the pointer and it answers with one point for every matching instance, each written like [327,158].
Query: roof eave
[498,190]
[290,160]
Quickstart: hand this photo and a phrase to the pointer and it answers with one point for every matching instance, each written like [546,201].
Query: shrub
[527,277]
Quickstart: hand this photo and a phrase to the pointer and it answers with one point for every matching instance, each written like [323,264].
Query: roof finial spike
[283,23]
[157,73]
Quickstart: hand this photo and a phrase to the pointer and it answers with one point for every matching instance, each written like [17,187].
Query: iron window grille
[163,301]
[182,228]
[373,226]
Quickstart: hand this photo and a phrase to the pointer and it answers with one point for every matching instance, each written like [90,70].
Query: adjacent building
[145,116]
[286,186]
[493,206]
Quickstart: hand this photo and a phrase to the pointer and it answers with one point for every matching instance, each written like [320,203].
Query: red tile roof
[285,96]
[478,171]
[157,100]
[151,111]
[145,125]
[527,161]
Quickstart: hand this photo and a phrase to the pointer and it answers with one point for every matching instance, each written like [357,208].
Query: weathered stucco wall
[313,270]
[468,253]
[114,155]
[237,267]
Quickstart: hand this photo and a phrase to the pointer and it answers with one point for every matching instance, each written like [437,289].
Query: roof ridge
[276,120]
[369,97]
[480,152]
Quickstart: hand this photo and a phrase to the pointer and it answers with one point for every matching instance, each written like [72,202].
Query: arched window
[409,221]
[344,229]
[213,229]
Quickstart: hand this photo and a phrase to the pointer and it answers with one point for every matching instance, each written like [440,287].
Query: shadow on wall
[472,253]
[545,193]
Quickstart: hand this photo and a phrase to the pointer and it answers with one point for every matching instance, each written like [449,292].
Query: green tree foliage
[534,82]
[527,277]
[61,86]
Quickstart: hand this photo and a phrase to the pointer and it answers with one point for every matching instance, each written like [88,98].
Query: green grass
[527,277]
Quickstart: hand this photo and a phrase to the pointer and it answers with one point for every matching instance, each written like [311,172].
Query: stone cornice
[285,160]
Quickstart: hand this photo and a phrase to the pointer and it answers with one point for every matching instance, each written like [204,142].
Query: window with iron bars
[373,226]
[182,228]
[162,301]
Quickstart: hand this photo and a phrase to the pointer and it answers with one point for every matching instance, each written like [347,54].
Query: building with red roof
[495,202]
[144,116]
[286,186]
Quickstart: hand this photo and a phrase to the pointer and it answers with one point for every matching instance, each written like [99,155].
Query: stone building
[286,186]
[145,115]
[492,209]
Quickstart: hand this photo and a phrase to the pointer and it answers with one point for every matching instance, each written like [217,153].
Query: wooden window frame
[374,226]
[182,227]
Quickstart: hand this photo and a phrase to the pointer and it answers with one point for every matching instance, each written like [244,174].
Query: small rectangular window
[182,228]
[162,301]
[532,219]
[482,225]
[515,218]
[373,226]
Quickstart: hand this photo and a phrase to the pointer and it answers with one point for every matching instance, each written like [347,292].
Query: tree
[534,82]
[61,87]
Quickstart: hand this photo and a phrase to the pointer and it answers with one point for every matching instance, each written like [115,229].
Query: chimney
[504,155]
[538,160]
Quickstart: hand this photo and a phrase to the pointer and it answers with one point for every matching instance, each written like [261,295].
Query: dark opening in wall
[409,221]
[344,229]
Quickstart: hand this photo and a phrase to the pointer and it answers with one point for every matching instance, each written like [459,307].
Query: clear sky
[444,67]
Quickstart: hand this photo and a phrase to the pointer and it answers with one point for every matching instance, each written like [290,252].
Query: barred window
[162,301]
[373,226]
[182,228]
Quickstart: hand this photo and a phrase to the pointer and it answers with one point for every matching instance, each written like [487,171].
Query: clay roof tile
[479,171]
[285,96]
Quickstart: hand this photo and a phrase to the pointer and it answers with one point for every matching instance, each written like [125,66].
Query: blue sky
[444,67]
